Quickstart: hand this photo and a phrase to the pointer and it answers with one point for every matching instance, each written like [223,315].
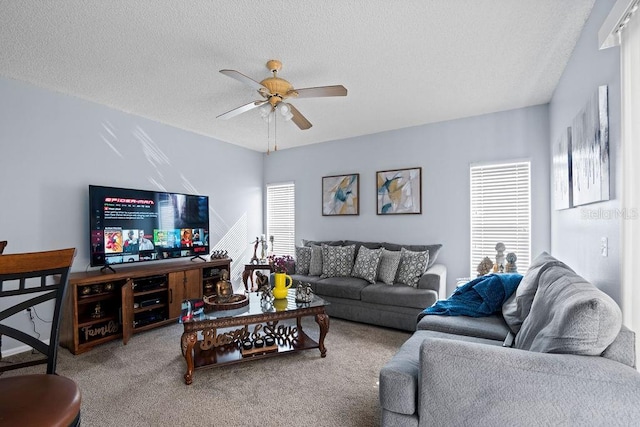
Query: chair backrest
[38,277]
[3,244]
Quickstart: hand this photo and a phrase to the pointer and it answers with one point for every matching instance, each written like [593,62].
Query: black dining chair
[27,280]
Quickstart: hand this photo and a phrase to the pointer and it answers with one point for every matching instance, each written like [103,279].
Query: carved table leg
[245,276]
[188,342]
[322,319]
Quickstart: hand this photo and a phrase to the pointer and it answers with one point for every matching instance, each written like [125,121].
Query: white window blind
[281,217]
[501,212]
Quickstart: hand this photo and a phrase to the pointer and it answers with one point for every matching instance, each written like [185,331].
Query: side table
[248,273]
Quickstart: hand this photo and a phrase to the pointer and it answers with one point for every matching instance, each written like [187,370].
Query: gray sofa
[394,305]
[557,354]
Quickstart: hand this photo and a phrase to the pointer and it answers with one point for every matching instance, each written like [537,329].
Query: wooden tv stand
[104,306]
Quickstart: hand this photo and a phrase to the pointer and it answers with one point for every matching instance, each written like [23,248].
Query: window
[501,212]
[281,218]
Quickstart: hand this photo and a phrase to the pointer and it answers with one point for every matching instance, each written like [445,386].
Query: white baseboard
[17,350]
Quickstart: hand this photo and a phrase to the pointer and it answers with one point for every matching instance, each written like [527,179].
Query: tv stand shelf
[102,306]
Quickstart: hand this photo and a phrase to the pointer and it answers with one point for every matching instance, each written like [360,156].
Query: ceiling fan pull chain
[268,135]
[275,130]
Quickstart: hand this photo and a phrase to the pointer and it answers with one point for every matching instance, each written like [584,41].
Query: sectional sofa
[555,354]
[379,283]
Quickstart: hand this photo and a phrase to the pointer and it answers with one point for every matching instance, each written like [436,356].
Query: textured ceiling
[404,63]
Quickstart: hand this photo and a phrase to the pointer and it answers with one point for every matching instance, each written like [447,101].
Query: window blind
[281,216]
[501,212]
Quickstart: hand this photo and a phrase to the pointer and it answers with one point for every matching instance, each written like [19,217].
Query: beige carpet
[142,384]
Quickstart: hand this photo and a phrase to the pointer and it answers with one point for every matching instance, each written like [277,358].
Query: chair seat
[39,400]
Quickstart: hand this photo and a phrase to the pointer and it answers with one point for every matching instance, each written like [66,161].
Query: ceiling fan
[275,91]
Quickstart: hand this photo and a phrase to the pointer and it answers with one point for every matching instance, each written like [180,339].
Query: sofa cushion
[399,376]
[569,315]
[337,261]
[516,308]
[303,259]
[315,263]
[412,266]
[340,287]
[389,262]
[398,295]
[491,327]
[366,265]
[433,250]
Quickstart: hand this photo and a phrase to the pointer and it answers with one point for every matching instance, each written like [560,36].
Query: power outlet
[604,247]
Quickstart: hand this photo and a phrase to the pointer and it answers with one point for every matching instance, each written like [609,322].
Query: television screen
[139,225]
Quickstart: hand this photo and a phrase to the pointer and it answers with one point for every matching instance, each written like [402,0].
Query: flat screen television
[130,225]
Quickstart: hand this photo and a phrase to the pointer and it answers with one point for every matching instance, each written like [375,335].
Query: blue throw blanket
[480,297]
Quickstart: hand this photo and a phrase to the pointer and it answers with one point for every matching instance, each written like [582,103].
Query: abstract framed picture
[590,151]
[341,195]
[399,191]
[562,188]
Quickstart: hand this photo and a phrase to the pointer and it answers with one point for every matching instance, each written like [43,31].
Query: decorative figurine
[261,279]
[263,254]
[97,311]
[511,266]
[265,290]
[304,293]
[254,258]
[271,253]
[485,266]
[224,289]
[499,266]
[219,254]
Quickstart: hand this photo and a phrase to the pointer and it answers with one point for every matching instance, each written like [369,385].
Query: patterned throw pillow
[412,266]
[303,259]
[337,261]
[389,262]
[315,264]
[366,265]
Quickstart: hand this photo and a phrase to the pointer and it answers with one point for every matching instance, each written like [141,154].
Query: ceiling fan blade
[244,79]
[311,92]
[241,109]
[300,120]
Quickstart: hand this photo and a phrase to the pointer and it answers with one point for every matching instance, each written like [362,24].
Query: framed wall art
[399,191]
[562,187]
[341,195]
[590,151]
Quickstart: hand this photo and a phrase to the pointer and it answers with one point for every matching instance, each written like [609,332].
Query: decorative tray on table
[215,302]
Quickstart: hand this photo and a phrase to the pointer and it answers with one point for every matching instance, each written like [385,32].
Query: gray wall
[576,233]
[444,151]
[53,146]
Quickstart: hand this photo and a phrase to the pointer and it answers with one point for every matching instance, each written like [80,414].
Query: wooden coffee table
[215,338]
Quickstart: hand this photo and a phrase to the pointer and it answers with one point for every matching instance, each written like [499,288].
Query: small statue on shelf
[511,266]
[261,279]
[219,254]
[263,255]
[499,266]
[485,266]
[254,258]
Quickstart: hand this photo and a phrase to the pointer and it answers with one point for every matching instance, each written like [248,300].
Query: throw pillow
[517,307]
[337,261]
[412,266]
[389,262]
[315,263]
[366,265]
[303,259]
[569,315]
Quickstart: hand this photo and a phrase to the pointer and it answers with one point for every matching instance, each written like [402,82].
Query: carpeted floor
[142,384]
